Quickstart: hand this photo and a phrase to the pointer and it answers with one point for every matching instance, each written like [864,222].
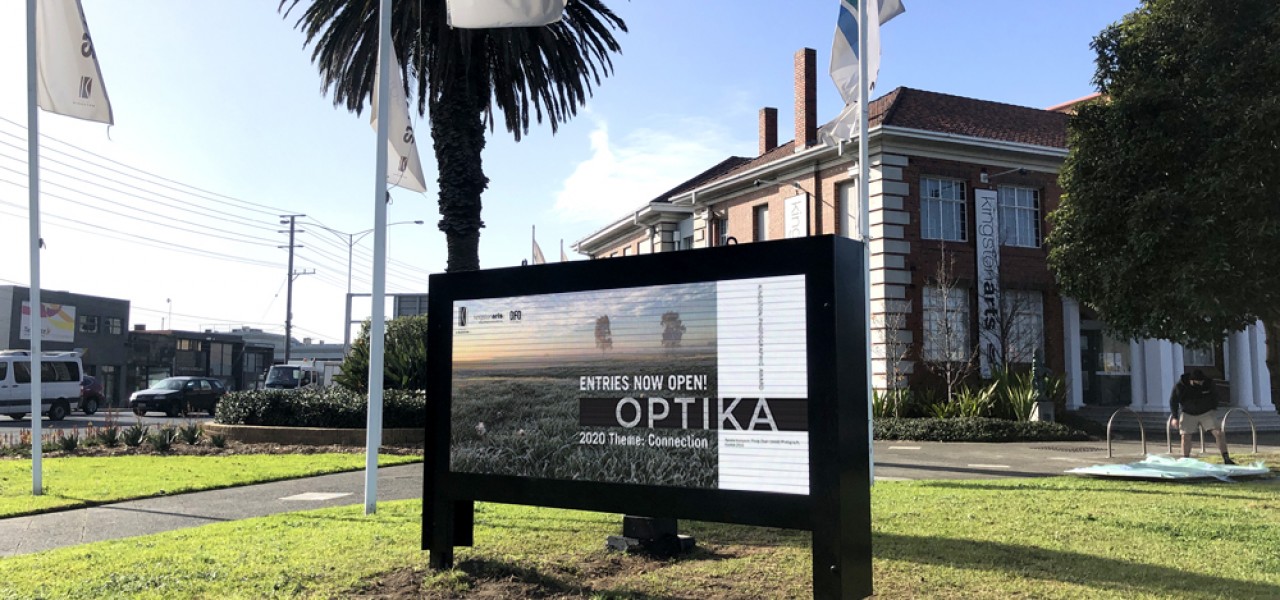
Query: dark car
[90,394]
[178,396]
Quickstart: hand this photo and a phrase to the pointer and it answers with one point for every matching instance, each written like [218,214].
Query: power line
[186,207]
[263,208]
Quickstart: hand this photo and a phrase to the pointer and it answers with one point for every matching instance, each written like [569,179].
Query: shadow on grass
[1180,487]
[536,584]
[1067,567]
[966,470]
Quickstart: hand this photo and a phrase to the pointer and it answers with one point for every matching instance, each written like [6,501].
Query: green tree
[404,361]
[1169,225]
[460,75]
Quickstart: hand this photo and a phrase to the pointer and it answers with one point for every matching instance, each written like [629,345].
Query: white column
[1159,355]
[1137,379]
[1071,353]
[1178,365]
[1261,373]
[1239,369]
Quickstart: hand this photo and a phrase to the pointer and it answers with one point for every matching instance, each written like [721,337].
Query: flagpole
[864,226]
[377,325]
[533,238]
[33,217]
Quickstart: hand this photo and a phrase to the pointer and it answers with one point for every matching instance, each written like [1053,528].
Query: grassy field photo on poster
[524,421]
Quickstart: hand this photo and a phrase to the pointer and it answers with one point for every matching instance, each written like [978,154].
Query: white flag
[538,258]
[68,79]
[486,14]
[844,60]
[404,168]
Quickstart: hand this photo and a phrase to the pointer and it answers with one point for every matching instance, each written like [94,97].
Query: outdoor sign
[57,322]
[990,351]
[796,216]
[696,384]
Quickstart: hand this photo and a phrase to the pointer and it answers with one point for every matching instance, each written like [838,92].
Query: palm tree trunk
[457,131]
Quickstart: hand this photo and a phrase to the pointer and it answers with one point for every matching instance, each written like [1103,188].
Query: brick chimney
[768,129]
[806,98]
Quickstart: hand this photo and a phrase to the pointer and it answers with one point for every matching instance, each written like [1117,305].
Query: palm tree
[460,76]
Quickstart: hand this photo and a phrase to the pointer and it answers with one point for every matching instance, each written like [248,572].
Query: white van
[60,378]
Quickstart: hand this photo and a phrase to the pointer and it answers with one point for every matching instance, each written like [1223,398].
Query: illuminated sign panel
[669,378]
[724,384]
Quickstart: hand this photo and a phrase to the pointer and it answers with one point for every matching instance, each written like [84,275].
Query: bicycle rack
[1168,435]
[1141,429]
[1223,428]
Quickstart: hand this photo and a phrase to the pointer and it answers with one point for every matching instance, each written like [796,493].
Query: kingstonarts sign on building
[699,385]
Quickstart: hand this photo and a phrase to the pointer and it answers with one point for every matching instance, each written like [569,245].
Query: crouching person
[1194,406]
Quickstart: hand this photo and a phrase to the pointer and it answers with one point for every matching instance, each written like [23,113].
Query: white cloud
[621,175]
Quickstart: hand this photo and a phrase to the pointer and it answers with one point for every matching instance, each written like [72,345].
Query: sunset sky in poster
[564,325]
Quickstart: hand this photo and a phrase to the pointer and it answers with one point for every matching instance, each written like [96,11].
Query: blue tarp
[1167,468]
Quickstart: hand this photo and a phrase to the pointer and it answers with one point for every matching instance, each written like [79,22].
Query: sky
[222,125]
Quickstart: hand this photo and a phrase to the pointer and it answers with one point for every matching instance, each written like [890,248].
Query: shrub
[67,441]
[974,430]
[108,435]
[1015,393]
[218,440]
[162,440]
[135,434]
[325,407]
[190,433]
[404,357]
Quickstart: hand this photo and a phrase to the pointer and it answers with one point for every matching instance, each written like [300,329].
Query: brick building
[959,193]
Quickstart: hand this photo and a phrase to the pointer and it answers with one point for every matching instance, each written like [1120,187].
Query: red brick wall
[1020,268]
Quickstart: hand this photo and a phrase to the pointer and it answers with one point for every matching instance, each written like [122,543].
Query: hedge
[325,407]
[977,429]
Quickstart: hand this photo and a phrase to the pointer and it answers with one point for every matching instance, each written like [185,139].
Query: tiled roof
[944,113]
[725,166]
[918,109]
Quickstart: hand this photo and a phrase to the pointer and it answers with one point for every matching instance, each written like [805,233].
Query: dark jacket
[1193,399]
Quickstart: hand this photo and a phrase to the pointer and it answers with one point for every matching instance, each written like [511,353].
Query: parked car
[178,396]
[91,394]
[59,376]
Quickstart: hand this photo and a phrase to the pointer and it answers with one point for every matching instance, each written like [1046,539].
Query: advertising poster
[699,385]
[57,322]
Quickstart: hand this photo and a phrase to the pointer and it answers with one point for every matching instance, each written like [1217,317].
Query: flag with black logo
[68,79]
[404,168]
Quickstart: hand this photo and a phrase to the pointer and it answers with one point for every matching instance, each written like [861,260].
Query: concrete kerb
[311,436]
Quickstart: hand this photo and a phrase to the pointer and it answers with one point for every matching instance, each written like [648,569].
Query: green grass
[81,481]
[1013,538]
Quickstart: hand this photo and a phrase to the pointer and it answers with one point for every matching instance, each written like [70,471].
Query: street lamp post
[351,240]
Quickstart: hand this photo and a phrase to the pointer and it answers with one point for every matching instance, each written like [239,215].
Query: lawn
[1013,538]
[81,481]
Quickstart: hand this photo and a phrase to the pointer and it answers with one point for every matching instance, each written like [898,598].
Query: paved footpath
[894,461]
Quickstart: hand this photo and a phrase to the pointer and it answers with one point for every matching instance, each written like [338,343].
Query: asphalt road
[101,418]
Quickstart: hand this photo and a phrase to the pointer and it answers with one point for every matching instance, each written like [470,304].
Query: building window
[1019,216]
[88,324]
[188,345]
[684,235]
[1023,314]
[760,216]
[626,251]
[852,211]
[1204,356]
[942,210]
[220,363]
[722,231]
[114,325]
[946,324]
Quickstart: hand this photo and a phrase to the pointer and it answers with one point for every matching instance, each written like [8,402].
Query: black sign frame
[838,508]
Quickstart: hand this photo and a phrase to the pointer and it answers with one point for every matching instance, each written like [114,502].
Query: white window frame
[760,222]
[1204,356]
[956,312]
[1024,310]
[1019,216]
[944,200]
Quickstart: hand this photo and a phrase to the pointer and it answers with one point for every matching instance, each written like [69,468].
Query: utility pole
[288,311]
